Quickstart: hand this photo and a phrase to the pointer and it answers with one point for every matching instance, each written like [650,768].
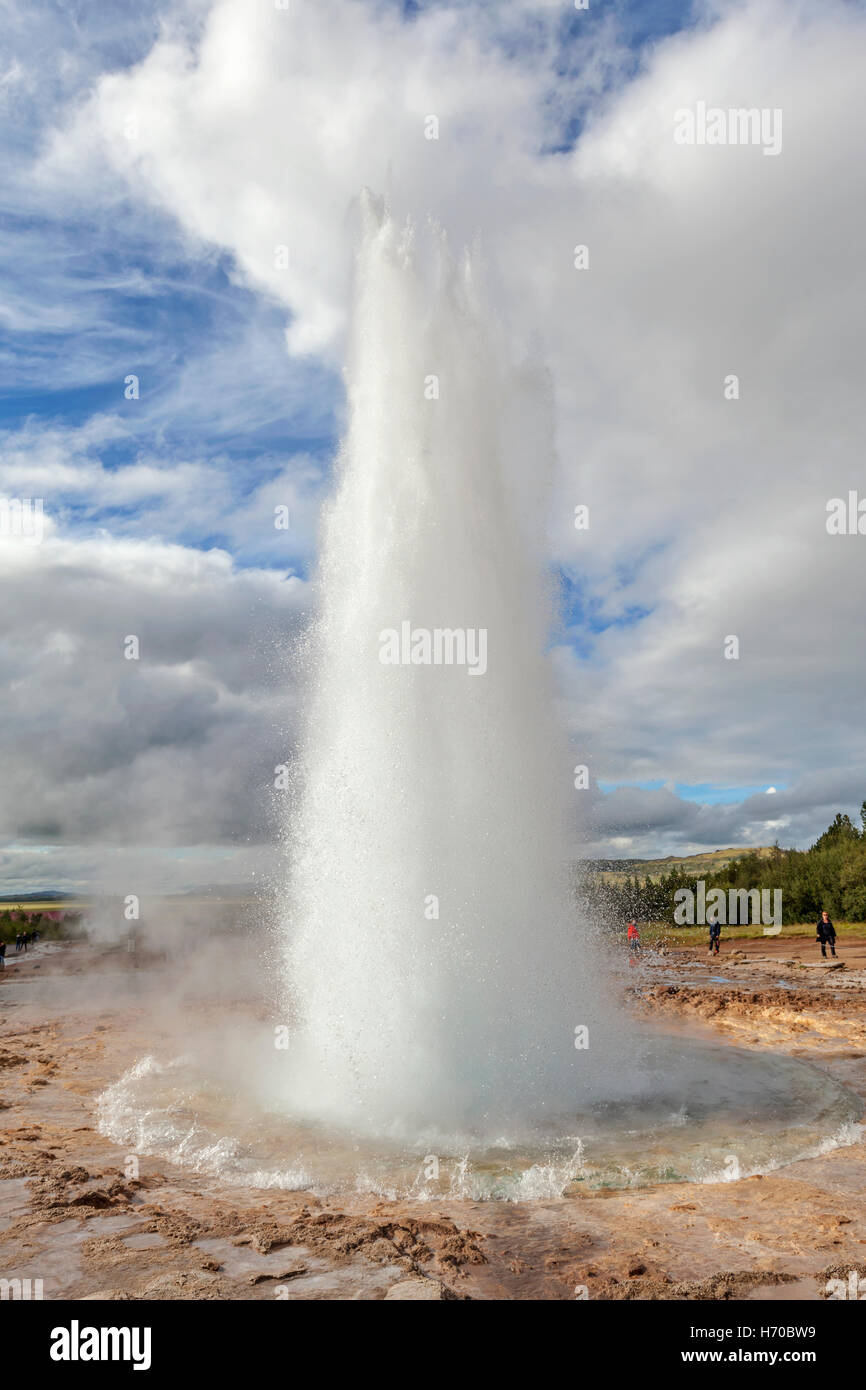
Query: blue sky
[125,296]
[703,794]
[99,293]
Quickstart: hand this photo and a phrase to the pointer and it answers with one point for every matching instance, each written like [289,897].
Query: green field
[663,933]
[48,905]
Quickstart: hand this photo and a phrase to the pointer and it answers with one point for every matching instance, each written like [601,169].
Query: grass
[69,929]
[663,933]
[48,905]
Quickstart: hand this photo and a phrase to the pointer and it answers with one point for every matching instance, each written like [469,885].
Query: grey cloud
[175,748]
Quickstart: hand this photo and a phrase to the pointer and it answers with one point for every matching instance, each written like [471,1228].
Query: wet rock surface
[72,1213]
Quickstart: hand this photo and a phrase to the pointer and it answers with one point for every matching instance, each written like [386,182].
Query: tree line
[51,923]
[830,874]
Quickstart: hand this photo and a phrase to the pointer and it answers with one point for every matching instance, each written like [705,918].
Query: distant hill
[609,870]
[617,870]
[221,893]
[50,895]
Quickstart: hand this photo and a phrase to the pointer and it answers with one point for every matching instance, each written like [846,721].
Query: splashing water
[432,789]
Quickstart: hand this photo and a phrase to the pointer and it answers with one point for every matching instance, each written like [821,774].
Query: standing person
[715,937]
[633,939]
[825,932]
[17,942]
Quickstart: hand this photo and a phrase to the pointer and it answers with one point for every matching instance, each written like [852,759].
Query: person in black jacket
[825,932]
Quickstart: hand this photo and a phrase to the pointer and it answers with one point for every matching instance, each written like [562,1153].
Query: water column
[434,963]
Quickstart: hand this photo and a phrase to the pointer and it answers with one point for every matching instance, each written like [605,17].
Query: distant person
[633,939]
[18,943]
[715,937]
[825,932]
[2,955]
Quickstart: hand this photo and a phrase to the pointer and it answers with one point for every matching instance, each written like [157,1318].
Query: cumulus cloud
[176,746]
[637,822]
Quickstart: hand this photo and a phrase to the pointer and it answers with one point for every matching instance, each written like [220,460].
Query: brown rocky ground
[71,1216]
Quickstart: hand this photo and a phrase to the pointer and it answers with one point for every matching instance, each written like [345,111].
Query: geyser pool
[704,1113]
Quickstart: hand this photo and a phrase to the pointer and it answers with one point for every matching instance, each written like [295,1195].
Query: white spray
[435,965]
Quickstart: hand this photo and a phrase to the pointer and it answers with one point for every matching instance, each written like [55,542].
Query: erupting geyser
[435,972]
[435,966]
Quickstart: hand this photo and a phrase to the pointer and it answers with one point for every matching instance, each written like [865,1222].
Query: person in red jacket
[633,939]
